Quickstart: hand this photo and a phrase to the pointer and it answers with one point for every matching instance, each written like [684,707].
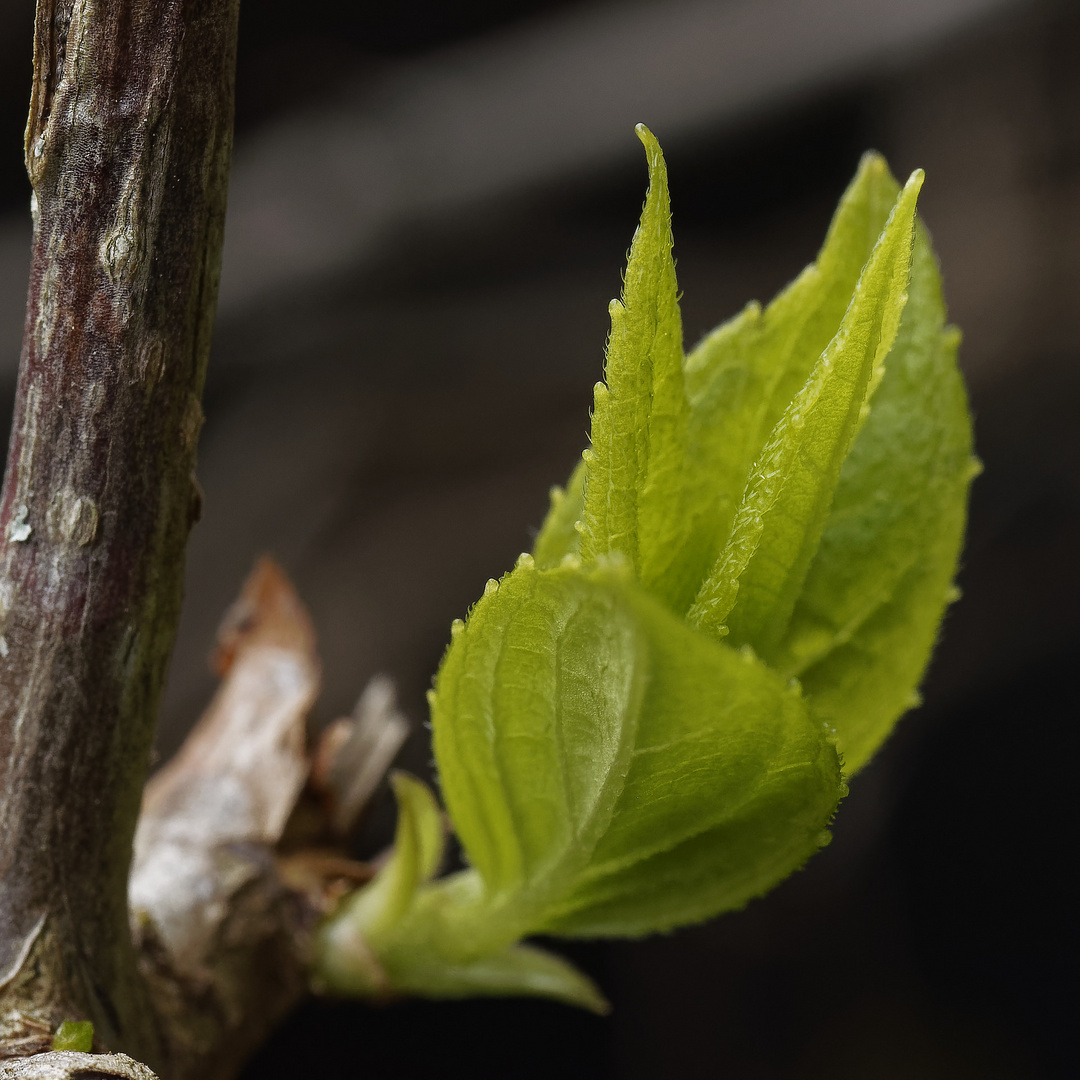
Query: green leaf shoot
[75,1035]
[651,719]
[640,411]
[349,946]
[868,615]
[778,524]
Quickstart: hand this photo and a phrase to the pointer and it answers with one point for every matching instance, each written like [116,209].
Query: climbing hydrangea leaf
[759,574]
[868,615]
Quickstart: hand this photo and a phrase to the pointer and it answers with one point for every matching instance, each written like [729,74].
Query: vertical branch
[127,148]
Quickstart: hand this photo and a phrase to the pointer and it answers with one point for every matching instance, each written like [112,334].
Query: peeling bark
[127,149]
[222,941]
[70,1065]
[222,919]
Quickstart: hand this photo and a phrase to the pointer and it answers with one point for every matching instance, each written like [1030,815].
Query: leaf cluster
[650,719]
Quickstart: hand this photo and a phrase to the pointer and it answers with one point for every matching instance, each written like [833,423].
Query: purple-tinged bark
[127,148]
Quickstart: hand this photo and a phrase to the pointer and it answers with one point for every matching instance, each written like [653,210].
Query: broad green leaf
[867,616]
[533,718]
[636,500]
[756,581]
[684,738]
[730,788]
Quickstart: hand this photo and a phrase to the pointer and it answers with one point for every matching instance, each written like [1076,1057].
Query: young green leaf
[517,971]
[756,581]
[533,717]
[620,745]
[637,499]
[74,1035]
[349,946]
[385,938]
[743,376]
[443,945]
[738,382]
[730,787]
[867,616]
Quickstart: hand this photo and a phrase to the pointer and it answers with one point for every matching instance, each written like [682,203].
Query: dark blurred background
[431,202]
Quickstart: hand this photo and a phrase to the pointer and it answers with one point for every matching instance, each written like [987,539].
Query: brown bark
[127,148]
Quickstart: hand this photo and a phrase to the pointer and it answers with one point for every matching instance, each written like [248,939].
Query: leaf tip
[873,164]
[915,182]
[648,139]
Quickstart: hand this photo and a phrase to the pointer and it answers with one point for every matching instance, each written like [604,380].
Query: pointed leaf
[636,498]
[756,580]
[865,622]
[737,383]
[559,535]
[417,805]
[379,906]
[743,375]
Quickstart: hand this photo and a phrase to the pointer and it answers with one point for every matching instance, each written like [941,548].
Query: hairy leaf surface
[650,746]
[635,497]
[742,377]
[730,787]
[755,583]
[534,715]
[867,616]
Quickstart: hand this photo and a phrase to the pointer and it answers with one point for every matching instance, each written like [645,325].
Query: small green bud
[74,1035]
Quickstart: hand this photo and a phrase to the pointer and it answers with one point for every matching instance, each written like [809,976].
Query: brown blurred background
[431,202]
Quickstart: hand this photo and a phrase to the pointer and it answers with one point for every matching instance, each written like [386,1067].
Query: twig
[222,939]
[127,148]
